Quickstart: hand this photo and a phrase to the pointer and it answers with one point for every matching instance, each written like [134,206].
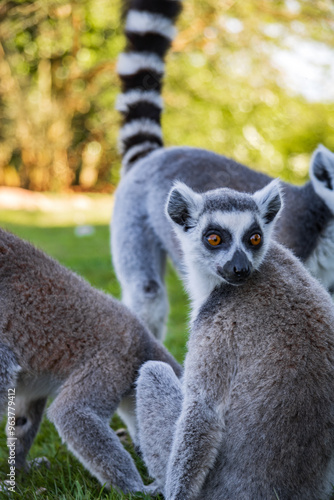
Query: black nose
[236,270]
[241,271]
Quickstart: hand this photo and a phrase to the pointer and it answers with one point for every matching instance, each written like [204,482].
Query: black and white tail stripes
[149,30]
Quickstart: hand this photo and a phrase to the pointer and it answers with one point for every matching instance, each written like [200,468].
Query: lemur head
[322,175]
[224,234]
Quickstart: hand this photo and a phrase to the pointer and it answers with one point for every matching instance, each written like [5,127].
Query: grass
[89,256]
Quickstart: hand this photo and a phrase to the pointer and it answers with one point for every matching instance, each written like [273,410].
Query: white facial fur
[202,276]
[193,217]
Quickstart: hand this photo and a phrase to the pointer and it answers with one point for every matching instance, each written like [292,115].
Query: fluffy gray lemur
[59,336]
[253,417]
[306,225]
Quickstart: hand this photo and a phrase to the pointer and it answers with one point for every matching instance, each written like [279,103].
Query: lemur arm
[199,432]
[209,374]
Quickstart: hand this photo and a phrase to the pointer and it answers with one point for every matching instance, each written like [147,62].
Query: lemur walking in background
[59,336]
[306,225]
[253,417]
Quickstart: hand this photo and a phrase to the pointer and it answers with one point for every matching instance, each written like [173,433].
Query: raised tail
[149,30]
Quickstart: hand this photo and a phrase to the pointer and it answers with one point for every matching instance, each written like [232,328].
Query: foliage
[223,88]
[58,89]
[233,98]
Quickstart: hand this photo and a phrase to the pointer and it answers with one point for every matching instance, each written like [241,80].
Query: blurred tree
[232,95]
[58,85]
[227,87]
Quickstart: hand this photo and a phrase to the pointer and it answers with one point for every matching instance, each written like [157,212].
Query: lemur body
[306,225]
[59,336]
[254,414]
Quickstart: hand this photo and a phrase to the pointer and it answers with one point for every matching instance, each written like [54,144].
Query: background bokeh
[251,79]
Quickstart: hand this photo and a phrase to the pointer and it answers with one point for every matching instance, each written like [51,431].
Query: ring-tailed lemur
[60,336]
[306,225]
[253,417]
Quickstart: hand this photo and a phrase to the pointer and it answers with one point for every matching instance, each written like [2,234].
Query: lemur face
[223,232]
[232,242]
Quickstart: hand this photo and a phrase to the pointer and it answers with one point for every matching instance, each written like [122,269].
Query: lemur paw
[153,489]
[38,463]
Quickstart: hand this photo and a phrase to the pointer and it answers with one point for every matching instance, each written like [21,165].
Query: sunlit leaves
[225,88]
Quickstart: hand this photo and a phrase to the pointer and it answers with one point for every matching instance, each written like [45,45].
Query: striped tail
[149,30]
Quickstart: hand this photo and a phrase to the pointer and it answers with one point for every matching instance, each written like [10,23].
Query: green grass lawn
[88,256]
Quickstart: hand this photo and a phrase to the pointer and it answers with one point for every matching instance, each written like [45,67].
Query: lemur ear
[269,200]
[322,167]
[322,174]
[183,205]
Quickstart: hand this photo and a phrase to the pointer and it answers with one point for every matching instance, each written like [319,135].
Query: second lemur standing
[306,225]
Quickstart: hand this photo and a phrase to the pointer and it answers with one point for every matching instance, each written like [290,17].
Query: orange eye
[214,239]
[255,239]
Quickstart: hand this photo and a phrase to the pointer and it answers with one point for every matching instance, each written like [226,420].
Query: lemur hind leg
[23,416]
[159,402]
[127,411]
[140,269]
[81,413]
[28,416]
[9,369]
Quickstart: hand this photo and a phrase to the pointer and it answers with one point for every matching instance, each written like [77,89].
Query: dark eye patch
[254,229]
[224,236]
